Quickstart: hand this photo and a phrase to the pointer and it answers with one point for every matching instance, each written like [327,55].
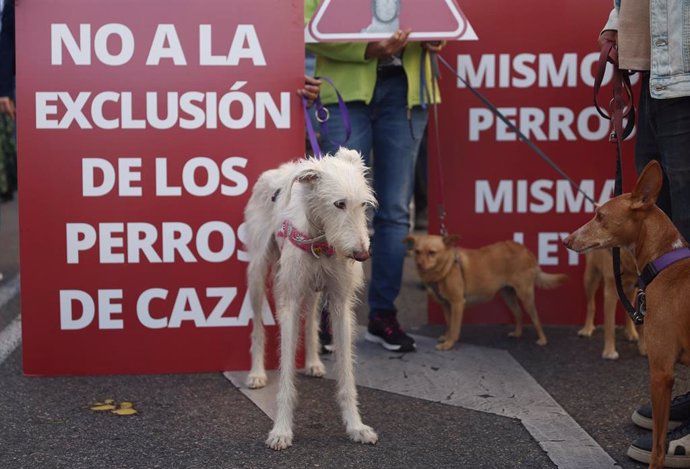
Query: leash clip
[641,307]
[613,137]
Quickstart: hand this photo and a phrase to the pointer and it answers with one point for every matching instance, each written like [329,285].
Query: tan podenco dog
[456,277]
[632,221]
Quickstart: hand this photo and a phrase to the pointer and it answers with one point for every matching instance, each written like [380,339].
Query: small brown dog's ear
[451,240]
[647,187]
[410,242]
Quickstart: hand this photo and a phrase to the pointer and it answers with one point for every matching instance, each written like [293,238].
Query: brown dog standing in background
[456,277]
[598,269]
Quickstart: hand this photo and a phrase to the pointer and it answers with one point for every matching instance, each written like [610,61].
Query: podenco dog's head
[617,222]
[428,249]
[337,198]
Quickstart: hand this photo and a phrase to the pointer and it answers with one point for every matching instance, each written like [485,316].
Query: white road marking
[472,377]
[10,336]
[264,398]
[9,290]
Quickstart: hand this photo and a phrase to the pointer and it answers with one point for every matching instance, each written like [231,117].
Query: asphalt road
[203,421]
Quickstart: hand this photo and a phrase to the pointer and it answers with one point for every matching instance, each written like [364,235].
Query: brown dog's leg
[453,334]
[508,295]
[446,315]
[526,296]
[661,383]
[610,302]
[591,282]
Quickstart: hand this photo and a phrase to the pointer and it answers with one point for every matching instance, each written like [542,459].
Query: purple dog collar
[302,241]
[652,269]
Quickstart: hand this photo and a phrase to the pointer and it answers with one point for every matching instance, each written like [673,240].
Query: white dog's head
[337,200]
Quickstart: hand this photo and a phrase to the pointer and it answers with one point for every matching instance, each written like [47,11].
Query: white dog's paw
[316,370]
[610,355]
[256,381]
[586,332]
[363,434]
[279,441]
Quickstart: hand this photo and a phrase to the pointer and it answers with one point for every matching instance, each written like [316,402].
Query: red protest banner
[539,71]
[140,137]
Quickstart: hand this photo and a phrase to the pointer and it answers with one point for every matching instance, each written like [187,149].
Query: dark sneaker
[386,331]
[677,451]
[680,412]
[326,340]
[325,335]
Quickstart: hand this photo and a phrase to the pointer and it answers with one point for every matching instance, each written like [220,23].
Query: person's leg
[332,137]
[396,143]
[646,145]
[672,125]
[397,135]
[664,135]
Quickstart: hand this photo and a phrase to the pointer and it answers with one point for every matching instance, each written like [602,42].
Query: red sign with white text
[140,138]
[536,62]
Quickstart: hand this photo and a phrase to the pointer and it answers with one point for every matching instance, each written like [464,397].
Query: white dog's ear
[308,175]
[352,156]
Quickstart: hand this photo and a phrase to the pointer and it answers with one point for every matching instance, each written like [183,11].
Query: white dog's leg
[280,436]
[342,318]
[256,274]
[313,365]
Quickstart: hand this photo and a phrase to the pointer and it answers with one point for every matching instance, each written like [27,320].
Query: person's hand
[311,89]
[434,46]
[388,47]
[607,37]
[7,107]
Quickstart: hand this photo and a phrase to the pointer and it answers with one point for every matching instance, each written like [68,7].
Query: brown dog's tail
[549,281]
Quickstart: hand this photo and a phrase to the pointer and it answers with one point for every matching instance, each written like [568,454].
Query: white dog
[306,225]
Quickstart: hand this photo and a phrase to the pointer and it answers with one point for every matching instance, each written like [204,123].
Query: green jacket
[355,76]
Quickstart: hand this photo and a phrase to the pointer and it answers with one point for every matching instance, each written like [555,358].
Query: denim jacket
[670,47]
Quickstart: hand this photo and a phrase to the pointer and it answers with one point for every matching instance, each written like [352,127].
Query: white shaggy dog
[306,225]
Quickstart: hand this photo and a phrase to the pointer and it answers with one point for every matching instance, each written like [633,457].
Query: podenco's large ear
[647,187]
[409,242]
[451,240]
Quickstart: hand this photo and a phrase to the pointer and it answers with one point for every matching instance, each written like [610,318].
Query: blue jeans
[385,127]
[663,134]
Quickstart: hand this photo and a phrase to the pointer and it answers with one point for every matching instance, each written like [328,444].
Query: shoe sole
[644,456]
[378,340]
[646,423]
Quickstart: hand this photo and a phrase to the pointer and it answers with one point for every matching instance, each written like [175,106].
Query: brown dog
[456,277]
[598,270]
[633,222]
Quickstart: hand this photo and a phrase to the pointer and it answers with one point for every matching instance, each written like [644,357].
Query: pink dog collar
[302,241]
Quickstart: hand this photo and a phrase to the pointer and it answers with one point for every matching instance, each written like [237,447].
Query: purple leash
[322,115]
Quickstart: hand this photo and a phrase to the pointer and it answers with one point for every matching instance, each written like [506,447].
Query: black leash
[619,108]
[514,128]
